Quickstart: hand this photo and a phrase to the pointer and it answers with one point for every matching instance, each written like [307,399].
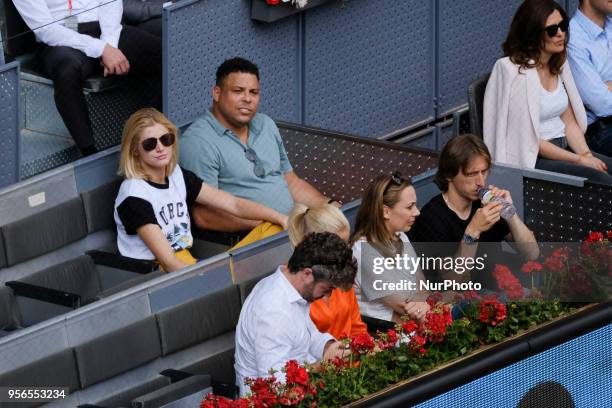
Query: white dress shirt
[275,327]
[47,17]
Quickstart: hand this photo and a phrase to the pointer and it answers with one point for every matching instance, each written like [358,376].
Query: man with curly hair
[275,325]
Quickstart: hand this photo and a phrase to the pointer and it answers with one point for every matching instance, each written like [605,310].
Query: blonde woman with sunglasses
[152,206]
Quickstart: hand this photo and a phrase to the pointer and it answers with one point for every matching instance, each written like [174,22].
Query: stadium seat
[476,91]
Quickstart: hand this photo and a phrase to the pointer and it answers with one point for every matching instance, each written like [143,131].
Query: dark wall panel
[203,34]
[470,34]
[369,65]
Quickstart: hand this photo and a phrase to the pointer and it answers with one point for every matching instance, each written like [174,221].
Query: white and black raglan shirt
[141,202]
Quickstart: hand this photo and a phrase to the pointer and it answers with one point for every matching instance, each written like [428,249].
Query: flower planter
[260,11]
[490,358]
[432,372]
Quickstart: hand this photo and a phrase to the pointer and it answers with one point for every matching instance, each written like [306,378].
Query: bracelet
[586,154]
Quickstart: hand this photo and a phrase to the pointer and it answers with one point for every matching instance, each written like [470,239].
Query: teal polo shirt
[217,156]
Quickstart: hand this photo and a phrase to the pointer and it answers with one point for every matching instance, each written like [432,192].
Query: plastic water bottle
[486,196]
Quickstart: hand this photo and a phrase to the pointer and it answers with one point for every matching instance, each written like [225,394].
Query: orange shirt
[339,315]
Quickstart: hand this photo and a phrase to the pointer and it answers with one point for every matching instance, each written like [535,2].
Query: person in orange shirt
[337,314]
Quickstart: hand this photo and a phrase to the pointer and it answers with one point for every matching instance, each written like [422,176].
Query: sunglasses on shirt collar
[258,168]
[150,143]
[552,30]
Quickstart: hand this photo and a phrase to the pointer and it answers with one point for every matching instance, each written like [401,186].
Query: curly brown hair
[329,257]
[526,36]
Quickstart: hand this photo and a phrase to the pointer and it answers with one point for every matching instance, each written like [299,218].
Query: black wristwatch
[468,239]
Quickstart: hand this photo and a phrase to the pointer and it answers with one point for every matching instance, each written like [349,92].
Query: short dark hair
[525,38]
[236,64]
[456,156]
[329,257]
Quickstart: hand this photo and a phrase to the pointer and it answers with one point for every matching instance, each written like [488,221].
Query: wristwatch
[468,239]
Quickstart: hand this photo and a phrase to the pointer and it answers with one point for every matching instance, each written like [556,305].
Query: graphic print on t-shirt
[180,238]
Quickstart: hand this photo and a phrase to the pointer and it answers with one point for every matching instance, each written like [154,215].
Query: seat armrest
[219,388]
[123,262]
[48,295]
[177,394]
[175,375]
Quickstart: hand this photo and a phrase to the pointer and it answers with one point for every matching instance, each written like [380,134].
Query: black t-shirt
[438,223]
[135,212]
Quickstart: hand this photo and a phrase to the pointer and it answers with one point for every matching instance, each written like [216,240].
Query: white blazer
[511,122]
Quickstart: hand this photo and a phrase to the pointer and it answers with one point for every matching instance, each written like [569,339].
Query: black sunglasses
[258,168]
[151,142]
[396,178]
[552,30]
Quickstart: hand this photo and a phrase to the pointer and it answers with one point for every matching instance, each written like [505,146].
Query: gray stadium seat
[10,317]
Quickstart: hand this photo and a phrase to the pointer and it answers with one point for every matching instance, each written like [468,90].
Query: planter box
[260,11]
[490,358]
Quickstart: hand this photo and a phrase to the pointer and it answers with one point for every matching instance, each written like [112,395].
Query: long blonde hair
[129,164]
[303,221]
[383,191]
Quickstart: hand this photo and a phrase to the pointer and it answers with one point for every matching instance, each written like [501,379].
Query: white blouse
[552,105]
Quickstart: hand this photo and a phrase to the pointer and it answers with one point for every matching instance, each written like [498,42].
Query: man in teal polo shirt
[236,149]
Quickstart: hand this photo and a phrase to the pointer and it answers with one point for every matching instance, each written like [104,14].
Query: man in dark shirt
[458,218]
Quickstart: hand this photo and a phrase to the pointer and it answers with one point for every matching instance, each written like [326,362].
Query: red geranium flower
[409,326]
[531,266]
[263,392]
[508,282]
[610,235]
[292,396]
[418,341]
[213,401]
[387,340]
[554,263]
[240,403]
[295,373]
[436,322]
[362,343]
[595,236]
[339,363]
[492,312]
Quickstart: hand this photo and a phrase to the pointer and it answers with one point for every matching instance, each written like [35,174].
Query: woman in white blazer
[533,114]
